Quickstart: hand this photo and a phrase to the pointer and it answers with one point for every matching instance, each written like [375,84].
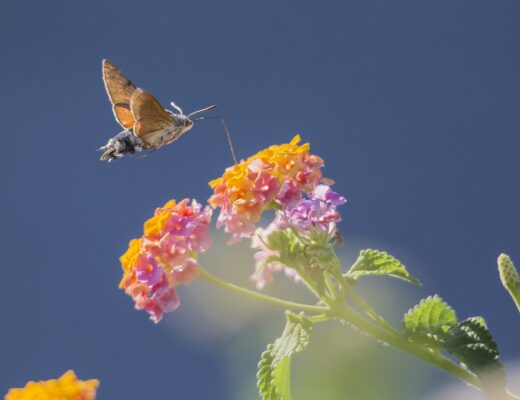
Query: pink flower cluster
[166,256]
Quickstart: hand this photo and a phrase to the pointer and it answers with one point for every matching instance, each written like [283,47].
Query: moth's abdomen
[123,143]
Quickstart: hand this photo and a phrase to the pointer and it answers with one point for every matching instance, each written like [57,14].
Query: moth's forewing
[150,116]
[119,89]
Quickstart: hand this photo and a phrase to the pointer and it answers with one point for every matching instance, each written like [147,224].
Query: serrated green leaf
[429,321]
[274,366]
[374,262]
[471,342]
[294,338]
[265,377]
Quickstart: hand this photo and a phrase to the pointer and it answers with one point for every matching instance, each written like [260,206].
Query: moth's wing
[119,89]
[149,115]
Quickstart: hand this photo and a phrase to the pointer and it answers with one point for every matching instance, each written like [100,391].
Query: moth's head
[184,121]
[188,123]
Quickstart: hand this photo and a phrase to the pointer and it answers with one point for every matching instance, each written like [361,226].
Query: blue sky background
[412,104]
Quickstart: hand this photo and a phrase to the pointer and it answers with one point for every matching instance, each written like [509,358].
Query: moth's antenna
[202,110]
[225,128]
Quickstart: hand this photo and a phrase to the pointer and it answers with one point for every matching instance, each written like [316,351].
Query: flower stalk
[206,276]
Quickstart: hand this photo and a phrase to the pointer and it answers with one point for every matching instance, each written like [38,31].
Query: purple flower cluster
[317,213]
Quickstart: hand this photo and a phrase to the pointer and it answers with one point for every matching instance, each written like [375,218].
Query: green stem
[515,294]
[259,296]
[333,295]
[367,309]
[319,318]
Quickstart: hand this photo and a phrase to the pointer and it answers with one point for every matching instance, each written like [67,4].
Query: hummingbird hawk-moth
[146,123]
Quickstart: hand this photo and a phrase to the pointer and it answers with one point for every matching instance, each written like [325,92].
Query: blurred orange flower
[67,387]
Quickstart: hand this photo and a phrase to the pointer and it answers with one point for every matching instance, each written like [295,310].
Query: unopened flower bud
[508,273]
[509,277]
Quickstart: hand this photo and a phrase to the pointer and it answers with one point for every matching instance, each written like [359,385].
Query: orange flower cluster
[67,387]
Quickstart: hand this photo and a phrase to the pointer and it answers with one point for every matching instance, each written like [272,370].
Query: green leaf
[374,262]
[265,377]
[275,363]
[282,379]
[294,338]
[429,321]
[471,342]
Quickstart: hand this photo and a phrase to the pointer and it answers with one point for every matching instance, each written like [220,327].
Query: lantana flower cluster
[286,178]
[165,256]
[273,178]
[283,177]
[304,221]
[67,387]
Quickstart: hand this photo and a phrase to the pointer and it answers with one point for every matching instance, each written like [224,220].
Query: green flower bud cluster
[509,277]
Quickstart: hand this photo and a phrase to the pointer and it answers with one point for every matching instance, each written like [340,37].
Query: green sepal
[288,246]
[295,251]
[311,256]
